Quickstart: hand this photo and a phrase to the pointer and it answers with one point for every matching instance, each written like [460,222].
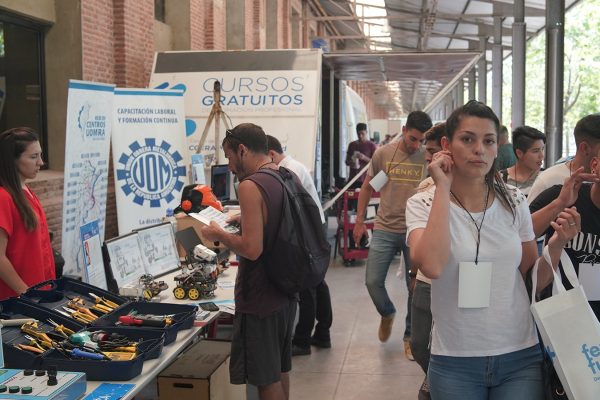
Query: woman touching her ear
[484,344]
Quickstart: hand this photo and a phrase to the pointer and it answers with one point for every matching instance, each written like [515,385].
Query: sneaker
[324,344]
[300,350]
[424,391]
[408,351]
[385,327]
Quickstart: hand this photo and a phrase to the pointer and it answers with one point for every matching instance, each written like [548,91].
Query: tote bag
[570,332]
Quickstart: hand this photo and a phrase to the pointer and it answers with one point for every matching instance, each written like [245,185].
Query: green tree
[581,72]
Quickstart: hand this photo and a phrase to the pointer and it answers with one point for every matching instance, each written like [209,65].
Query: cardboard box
[201,373]
[186,222]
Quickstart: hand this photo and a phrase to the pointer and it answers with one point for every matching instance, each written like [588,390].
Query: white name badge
[474,284]
[378,181]
[589,276]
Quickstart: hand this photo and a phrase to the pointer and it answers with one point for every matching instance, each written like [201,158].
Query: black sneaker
[300,350]
[324,344]
[424,391]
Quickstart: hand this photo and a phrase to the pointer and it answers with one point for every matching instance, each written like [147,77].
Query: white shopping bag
[571,333]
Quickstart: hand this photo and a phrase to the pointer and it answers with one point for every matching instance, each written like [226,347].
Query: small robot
[151,287]
[199,276]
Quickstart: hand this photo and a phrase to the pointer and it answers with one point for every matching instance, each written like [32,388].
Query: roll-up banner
[89,120]
[276,89]
[149,155]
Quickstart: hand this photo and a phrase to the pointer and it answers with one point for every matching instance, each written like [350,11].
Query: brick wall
[97,41]
[197,25]
[134,41]
[48,187]
[215,32]
[283,25]
[255,24]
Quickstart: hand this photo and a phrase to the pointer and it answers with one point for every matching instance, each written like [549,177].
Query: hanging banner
[149,155]
[276,89]
[89,117]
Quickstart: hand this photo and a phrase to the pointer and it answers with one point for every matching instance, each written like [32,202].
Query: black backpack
[299,255]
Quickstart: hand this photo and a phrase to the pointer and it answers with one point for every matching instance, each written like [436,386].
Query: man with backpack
[261,349]
[315,302]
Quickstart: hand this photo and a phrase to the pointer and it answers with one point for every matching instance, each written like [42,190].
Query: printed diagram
[83,206]
[124,266]
[151,251]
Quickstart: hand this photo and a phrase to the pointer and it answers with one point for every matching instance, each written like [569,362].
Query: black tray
[16,308]
[183,318]
[99,370]
[53,294]
[151,347]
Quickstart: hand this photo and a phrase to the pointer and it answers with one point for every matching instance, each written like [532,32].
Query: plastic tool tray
[182,315]
[149,345]
[56,293]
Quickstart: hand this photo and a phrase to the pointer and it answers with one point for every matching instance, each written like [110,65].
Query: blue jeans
[511,376]
[421,323]
[382,249]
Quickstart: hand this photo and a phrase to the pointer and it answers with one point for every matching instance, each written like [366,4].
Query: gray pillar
[472,79]
[555,54]
[497,68]
[518,67]
[331,130]
[460,93]
[482,72]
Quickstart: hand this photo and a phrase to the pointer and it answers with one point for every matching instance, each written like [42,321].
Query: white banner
[149,155]
[89,118]
[278,90]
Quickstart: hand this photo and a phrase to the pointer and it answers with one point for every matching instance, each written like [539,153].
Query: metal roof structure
[411,51]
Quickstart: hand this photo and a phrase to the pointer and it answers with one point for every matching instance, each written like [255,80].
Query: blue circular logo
[151,172]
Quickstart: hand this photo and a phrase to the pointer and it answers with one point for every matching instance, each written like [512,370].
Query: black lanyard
[391,164]
[478,227]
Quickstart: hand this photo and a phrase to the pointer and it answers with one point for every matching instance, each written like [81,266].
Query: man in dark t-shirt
[359,153]
[584,249]
[261,349]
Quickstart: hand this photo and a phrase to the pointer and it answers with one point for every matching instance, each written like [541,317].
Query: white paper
[210,214]
[474,284]
[589,276]
[379,180]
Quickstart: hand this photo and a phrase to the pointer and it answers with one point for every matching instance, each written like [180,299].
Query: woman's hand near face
[566,226]
[440,168]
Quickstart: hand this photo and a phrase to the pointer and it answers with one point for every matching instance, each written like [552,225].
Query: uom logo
[151,172]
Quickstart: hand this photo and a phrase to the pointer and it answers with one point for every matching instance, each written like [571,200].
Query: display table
[184,338]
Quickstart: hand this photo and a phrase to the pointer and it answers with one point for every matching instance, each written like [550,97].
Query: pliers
[103,301]
[82,309]
[61,329]
[78,316]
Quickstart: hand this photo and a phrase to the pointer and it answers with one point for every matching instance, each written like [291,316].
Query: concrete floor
[358,366]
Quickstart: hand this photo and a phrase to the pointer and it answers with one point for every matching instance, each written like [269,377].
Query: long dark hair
[13,143]
[493,179]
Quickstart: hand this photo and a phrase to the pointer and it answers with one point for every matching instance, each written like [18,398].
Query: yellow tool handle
[101,308]
[127,349]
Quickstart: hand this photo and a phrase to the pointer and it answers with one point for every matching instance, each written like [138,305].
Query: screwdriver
[130,320]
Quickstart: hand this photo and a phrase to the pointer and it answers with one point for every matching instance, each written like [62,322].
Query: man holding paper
[395,171]
[261,349]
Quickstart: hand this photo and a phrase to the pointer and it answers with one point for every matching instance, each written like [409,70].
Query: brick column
[97,41]
[215,32]
[134,41]
[197,25]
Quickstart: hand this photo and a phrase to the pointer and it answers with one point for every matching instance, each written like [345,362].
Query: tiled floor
[358,366]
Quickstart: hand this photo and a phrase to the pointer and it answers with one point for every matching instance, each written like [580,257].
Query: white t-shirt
[300,170]
[554,175]
[507,324]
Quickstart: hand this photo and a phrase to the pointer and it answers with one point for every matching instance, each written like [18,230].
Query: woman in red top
[25,252]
